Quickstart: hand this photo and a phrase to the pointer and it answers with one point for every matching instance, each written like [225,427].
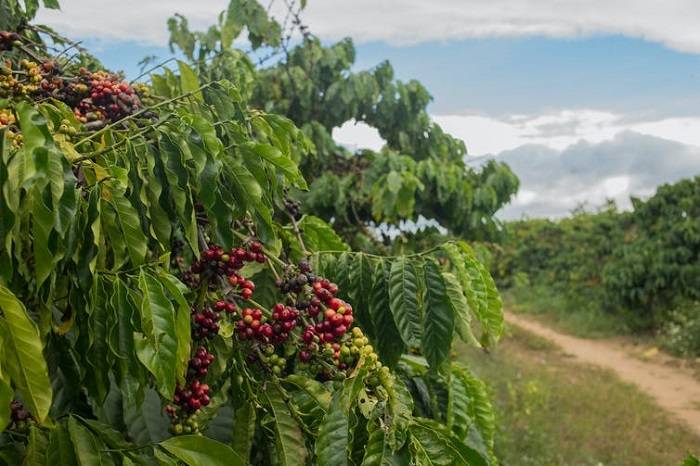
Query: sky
[587,100]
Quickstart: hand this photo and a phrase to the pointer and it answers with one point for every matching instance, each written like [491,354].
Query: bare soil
[674,387]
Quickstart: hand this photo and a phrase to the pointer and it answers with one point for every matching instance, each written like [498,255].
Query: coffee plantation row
[168,295]
[641,265]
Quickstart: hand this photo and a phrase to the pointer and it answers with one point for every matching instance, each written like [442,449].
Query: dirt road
[673,388]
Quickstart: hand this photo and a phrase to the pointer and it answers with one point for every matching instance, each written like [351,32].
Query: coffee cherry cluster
[8,39]
[337,315]
[216,261]
[312,322]
[270,360]
[295,282]
[195,395]
[205,323]
[361,347]
[198,365]
[19,82]
[191,398]
[293,208]
[96,97]
[284,320]
[107,97]
[19,416]
[7,118]
[253,325]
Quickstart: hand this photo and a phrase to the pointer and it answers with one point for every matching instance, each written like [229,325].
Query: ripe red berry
[337,319]
[335,303]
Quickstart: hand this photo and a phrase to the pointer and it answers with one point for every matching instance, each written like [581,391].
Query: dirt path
[673,388]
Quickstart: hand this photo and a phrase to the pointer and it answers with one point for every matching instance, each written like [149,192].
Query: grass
[575,315]
[554,411]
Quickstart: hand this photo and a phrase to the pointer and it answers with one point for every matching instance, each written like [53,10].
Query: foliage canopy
[162,302]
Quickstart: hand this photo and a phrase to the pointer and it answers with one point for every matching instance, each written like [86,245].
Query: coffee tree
[419,174]
[162,301]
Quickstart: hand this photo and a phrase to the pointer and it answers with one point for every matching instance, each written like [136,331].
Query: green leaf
[37,447]
[89,450]
[26,365]
[129,371]
[153,191]
[244,429]
[146,422]
[388,340]
[157,348]
[458,405]
[460,309]
[179,184]
[313,388]
[101,316]
[403,300]
[320,236]
[60,447]
[438,319]
[480,290]
[43,221]
[274,156]
[360,292]
[195,450]
[333,434]
[399,409]
[6,395]
[183,333]
[248,192]
[128,223]
[289,439]
[434,445]
[189,82]
[377,451]
[480,407]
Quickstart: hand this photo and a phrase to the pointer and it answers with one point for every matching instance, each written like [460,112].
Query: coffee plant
[165,300]
[420,173]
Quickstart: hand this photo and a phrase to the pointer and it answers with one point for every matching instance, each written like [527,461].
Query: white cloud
[671,22]
[558,130]
[354,135]
[553,181]
[571,157]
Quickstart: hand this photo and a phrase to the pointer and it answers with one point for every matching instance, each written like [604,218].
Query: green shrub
[681,332]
